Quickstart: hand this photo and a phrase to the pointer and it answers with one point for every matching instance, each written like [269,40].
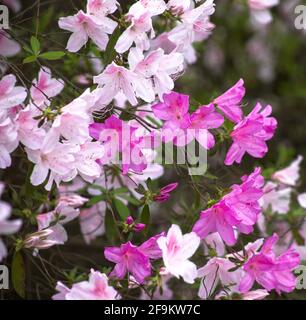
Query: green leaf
[18,274]
[96,199]
[29,59]
[110,226]
[121,208]
[145,215]
[52,55]
[110,51]
[35,45]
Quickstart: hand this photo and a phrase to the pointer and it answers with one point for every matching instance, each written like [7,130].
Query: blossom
[302,200]
[158,67]
[269,270]
[96,288]
[115,79]
[201,120]
[101,8]
[10,95]
[27,128]
[259,10]
[45,87]
[8,46]
[8,142]
[230,102]
[177,249]
[164,193]
[140,19]
[43,239]
[250,135]
[84,26]
[277,198]
[92,221]
[133,259]
[217,269]
[178,7]
[289,175]
[7,227]
[59,158]
[195,25]
[238,209]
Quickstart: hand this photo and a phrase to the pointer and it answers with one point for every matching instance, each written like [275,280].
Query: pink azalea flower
[289,175]
[7,227]
[10,95]
[277,198]
[269,270]
[117,136]
[71,200]
[96,288]
[202,119]
[140,19]
[158,67]
[164,193]
[230,102]
[133,259]
[195,25]
[59,158]
[177,249]
[92,222]
[259,10]
[237,210]
[45,87]
[101,8]
[217,269]
[8,46]
[84,26]
[15,5]
[178,7]
[8,142]
[250,135]
[115,79]
[28,131]
[302,200]
[174,110]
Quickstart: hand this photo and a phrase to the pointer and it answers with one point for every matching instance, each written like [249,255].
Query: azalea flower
[84,26]
[260,10]
[230,102]
[92,222]
[29,134]
[164,193]
[250,135]
[7,227]
[176,250]
[8,142]
[269,270]
[10,95]
[289,175]
[59,158]
[133,259]
[158,67]
[215,271]
[96,288]
[238,209]
[45,87]
[102,8]
[8,46]
[115,79]
[277,198]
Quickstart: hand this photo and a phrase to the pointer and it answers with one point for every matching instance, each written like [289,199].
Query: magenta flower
[164,193]
[133,259]
[269,270]
[230,102]
[250,135]
[237,210]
